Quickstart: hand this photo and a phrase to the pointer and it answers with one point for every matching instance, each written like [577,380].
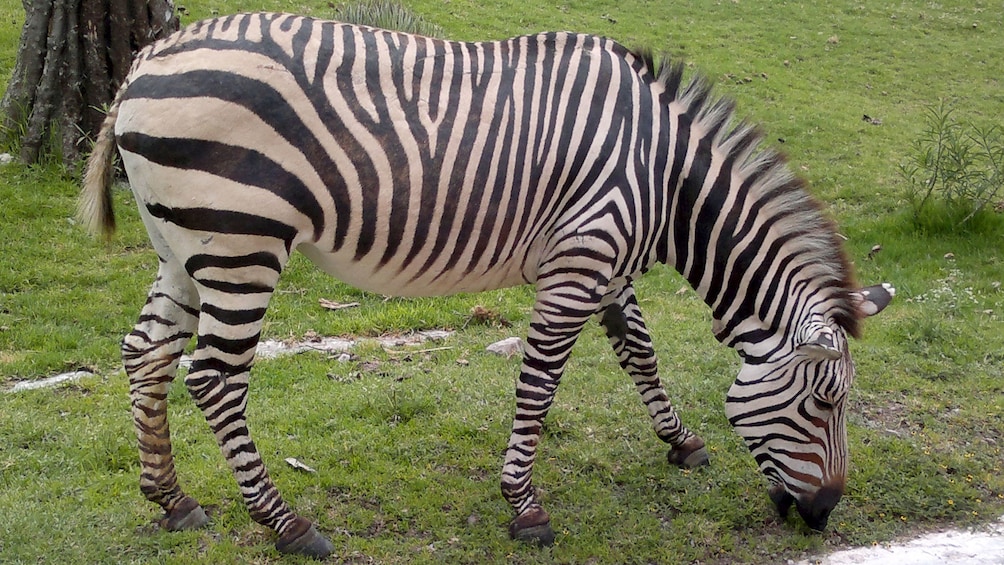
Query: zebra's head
[789,401]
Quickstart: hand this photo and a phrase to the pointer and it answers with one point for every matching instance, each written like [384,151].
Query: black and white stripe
[412,166]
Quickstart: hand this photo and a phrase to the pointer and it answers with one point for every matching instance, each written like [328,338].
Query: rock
[507,347]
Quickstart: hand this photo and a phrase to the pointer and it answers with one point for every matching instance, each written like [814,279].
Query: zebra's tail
[94,210]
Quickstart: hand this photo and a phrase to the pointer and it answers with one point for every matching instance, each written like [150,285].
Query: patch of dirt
[49,382]
[891,417]
[10,357]
[271,348]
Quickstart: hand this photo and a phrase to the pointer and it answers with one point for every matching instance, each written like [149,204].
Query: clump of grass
[387,14]
[957,170]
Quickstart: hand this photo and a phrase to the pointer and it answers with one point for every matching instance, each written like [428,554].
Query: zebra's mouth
[815,512]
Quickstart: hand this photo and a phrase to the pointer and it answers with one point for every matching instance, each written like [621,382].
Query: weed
[947,296]
[959,165]
[387,14]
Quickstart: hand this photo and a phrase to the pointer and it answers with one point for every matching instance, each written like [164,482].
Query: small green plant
[957,164]
[387,14]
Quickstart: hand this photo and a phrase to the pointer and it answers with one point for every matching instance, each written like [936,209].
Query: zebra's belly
[396,279]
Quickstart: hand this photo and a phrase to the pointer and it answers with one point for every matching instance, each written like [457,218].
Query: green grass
[408,454]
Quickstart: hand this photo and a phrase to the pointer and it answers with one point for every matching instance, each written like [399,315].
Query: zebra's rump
[402,164]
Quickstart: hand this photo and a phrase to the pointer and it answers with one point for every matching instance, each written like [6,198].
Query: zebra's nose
[816,511]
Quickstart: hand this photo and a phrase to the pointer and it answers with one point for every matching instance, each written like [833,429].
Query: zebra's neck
[740,227]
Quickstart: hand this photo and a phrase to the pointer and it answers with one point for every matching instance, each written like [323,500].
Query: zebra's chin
[815,511]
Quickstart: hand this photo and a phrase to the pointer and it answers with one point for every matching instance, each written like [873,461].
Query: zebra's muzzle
[815,511]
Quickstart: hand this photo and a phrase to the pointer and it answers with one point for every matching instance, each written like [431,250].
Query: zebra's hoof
[689,455]
[532,526]
[187,515]
[305,541]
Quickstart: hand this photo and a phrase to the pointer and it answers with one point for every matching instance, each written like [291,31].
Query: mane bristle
[794,207]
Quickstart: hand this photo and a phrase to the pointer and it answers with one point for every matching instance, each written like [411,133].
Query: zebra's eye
[822,405]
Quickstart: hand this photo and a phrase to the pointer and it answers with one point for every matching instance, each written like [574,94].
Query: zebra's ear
[873,299]
[820,345]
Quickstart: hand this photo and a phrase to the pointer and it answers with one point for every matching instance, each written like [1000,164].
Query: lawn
[407,445]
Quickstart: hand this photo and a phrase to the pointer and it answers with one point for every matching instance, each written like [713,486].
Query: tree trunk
[72,58]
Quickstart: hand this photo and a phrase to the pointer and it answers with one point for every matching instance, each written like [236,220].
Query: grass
[408,448]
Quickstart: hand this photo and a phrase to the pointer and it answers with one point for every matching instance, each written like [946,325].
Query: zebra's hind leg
[625,328]
[560,312]
[150,354]
[235,292]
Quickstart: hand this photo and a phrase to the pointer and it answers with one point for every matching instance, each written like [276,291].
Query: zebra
[411,166]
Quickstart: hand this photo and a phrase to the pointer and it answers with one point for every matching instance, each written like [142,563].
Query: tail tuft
[94,209]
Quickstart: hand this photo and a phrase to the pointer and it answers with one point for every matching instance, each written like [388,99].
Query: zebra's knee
[140,350]
[133,346]
[204,384]
[142,356]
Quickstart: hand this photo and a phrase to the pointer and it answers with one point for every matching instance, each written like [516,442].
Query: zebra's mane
[770,181]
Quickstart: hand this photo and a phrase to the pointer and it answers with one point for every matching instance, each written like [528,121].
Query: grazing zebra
[411,166]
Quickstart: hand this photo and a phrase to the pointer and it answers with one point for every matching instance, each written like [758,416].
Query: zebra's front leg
[625,328]
[150,353]
[558,318]
[229,327]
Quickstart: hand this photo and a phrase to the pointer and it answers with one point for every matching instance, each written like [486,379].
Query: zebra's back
[398,163]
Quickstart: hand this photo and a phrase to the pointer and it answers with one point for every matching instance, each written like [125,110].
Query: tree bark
[72,57]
